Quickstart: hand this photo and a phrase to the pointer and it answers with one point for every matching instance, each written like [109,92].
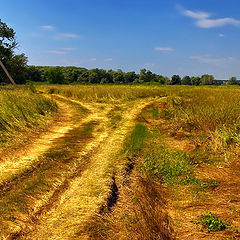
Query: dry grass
[20,110]
[106,94]
[155,180]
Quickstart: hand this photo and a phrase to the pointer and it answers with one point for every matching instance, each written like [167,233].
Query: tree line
[68,75]
[22,73]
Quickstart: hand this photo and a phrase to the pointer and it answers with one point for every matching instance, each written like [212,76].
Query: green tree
[15,64]
[232,81]
[55,76]
[129,77]
[195,81]
[118,77]
[17,67]
[207,80]
[186,80]
[146,76]
[7,41]
[176,80]
[34,74]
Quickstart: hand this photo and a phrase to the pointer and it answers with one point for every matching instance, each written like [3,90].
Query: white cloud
[196,15]
[203,19]
[221,35]
[167,49]
[67,36]
[211,23]
[48,27]
[93,59]
[214,61]
[108,60]
[57,52]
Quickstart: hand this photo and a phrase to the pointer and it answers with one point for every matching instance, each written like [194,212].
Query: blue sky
[184,37]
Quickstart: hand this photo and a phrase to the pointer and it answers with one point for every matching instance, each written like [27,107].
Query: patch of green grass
[212,223]
[166,165]
[190,180]
[136,140]
[199,186]
[154,112]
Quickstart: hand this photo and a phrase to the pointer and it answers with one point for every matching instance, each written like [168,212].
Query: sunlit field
[145,157]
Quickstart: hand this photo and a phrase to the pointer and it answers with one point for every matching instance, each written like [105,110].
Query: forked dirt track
[81,194]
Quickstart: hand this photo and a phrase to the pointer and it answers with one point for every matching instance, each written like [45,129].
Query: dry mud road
[64,176]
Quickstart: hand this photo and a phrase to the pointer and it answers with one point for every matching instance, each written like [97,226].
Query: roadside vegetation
[21,110]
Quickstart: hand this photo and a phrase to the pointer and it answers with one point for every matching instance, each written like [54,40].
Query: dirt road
[76,159]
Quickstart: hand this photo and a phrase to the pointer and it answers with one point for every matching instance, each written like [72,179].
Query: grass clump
[166,165]
[190,180]
[212,223]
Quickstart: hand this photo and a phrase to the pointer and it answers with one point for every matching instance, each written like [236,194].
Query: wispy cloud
[93,59]
[57,52]
[221,35]
[166,49]
[214,61]
[203,19]
[48,27]
[67,36]
[108,60]
[68,49]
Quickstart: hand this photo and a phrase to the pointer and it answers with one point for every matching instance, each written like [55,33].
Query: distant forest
[71,75]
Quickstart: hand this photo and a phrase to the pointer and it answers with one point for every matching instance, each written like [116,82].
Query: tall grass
[21,109]
[104,93]
[213,111]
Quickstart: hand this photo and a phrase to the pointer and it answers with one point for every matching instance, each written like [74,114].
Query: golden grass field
[120,162]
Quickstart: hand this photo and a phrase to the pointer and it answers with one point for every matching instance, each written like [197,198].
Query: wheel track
[22,171]
[87,191]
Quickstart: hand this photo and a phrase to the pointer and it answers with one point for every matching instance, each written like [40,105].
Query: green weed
[212,223]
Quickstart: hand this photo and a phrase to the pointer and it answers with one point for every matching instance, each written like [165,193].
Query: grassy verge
[21,110]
